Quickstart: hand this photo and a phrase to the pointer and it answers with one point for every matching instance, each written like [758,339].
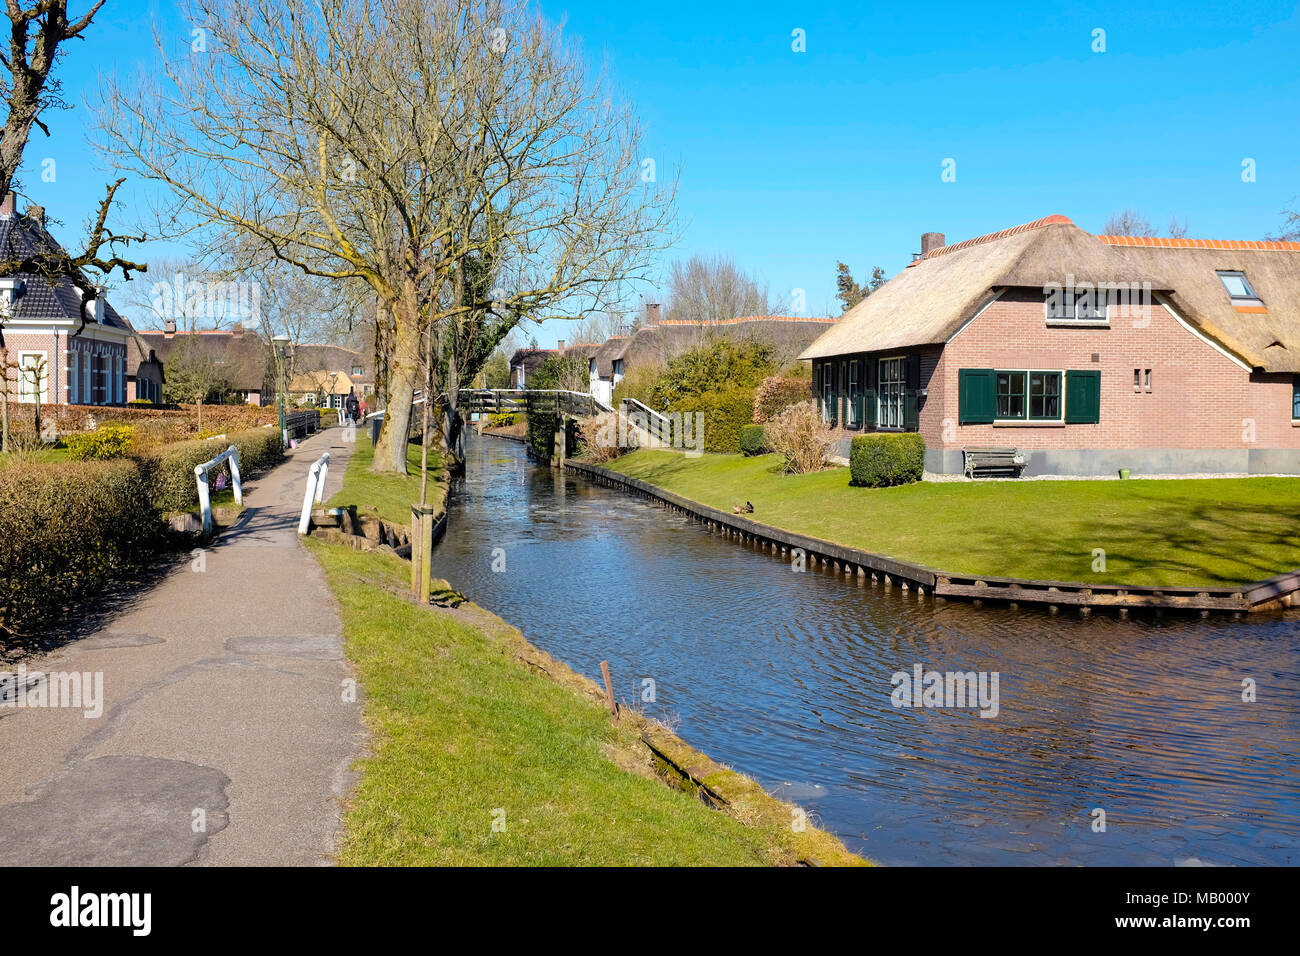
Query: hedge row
[876,461]
[170,471]
[67,528]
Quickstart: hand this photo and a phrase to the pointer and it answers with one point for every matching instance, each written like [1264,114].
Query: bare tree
[712,289]
[1291,225]
[1128,222]
[37,35]
[1177,228]
[390,141]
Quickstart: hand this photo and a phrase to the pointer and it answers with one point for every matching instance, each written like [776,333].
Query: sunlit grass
[1154,532]
[391,495]
[463,735]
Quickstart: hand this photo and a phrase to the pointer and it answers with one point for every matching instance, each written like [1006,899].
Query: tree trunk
[403,374]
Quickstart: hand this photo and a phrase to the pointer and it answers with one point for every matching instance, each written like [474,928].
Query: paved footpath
[226,736]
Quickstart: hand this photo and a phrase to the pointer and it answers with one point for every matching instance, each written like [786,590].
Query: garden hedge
[876,461]
[67,528]
[170,471]
[752,440]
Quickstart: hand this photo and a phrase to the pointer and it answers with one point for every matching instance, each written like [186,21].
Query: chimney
[930,241]
[36,214]
[652,313]
[559,346]
[169,327]
[7,206]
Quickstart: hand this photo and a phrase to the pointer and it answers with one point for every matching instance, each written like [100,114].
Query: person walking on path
[352,406]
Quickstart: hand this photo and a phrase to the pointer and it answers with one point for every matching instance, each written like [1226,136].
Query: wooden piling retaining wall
[1277,593]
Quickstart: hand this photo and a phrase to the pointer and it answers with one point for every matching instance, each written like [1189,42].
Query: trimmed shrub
[502,419]
[776,393]
[170,471]
[877,461]
[104,443]
[725,413]
[147,402]
[752,441]
[67,528]
[801,438]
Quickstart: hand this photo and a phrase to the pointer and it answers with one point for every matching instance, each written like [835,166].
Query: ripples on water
[786,677]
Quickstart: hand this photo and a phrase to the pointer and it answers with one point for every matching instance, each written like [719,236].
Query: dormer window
[10,290]
[1239,288]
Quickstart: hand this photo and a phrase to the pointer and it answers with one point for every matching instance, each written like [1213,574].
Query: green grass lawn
[391,495]
[461,729]
[1219,531]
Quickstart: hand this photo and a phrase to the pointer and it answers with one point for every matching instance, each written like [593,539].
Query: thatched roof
[1268,340]
[240,355]
[656,344]
[932,298]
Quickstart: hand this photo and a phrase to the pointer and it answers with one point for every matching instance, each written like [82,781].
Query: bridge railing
[315,492]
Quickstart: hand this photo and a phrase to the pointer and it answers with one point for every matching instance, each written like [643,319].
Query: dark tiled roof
[22,237]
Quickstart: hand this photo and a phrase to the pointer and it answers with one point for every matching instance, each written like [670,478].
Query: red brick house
[75,347]
[1086,353]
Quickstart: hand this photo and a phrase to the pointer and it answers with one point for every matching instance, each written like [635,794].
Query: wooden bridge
[555,401]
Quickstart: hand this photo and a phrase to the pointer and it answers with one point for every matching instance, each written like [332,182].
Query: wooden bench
[987,460]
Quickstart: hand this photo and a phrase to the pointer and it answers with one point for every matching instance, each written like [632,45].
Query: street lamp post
[279,344]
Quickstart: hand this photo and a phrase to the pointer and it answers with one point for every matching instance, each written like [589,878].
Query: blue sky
[791,161]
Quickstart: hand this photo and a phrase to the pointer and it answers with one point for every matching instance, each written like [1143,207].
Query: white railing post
[315,490]
[205,494]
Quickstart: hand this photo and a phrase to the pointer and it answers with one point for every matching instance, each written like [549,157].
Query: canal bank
[488,751]
[786,677]
[1276,593]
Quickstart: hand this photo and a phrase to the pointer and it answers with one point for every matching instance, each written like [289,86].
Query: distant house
[144,372]
[358,368]
[324,388]
[660,340]
[71,349]
[240,355]
[525,362]
[1086,353]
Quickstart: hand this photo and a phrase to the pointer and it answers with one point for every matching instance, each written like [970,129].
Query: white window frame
[74,377]
[42,387]
[853,391]
[87,386]
[885,396]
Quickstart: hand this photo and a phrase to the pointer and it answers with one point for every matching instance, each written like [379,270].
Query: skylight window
[1237,286]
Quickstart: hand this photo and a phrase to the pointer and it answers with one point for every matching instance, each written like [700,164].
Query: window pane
[1236,285]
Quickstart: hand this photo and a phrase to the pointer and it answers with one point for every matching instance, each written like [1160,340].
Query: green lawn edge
[470,725]
[1217,532]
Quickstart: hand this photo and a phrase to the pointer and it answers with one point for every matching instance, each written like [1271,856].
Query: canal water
[786,676]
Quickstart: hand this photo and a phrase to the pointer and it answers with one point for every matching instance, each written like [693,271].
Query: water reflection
[786,676]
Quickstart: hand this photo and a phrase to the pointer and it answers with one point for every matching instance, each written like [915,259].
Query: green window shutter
[911,411]
[976,402]
[817,387]
[868,408]
[1083,397]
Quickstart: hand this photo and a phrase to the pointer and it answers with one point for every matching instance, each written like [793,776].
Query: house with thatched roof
[1086,353]
[239,356]
[663,339]
[524,363]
